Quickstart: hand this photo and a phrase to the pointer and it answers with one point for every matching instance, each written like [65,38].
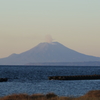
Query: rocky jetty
[3,79]
[77,77]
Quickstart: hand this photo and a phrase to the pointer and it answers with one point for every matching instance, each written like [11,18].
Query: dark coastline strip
[78,77]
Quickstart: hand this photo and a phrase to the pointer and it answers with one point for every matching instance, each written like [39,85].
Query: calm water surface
[34,79]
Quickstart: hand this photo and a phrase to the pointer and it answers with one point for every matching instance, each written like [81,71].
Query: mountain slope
[47,52]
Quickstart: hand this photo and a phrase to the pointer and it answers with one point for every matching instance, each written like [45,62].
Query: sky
[26,23]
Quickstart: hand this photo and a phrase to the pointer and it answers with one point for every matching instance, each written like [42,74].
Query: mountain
[47,53]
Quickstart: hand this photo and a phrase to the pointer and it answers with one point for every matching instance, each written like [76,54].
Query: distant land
[53,53]
[89,63]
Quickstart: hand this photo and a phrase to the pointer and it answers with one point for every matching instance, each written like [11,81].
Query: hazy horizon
[26,23]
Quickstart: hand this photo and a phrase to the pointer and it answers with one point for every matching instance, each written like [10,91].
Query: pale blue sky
[25,23]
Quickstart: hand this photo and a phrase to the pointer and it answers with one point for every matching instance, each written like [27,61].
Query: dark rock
[3,79]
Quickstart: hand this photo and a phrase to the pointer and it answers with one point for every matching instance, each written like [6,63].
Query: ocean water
[34,79]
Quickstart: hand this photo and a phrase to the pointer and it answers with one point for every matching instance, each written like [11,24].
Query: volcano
[53,52]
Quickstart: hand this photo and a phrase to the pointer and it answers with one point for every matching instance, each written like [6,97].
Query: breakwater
[3,79]
[77,77]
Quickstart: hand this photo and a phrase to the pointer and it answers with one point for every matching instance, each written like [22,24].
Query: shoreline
[91,95]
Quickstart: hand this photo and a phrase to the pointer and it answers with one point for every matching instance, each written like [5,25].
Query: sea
[34,79]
